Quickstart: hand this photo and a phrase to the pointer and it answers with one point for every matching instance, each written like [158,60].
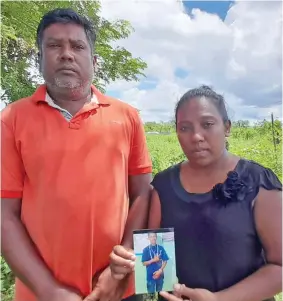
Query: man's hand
[60,294]
[189,294]
[122,262]
[157,274]
[156,258]
[107,288]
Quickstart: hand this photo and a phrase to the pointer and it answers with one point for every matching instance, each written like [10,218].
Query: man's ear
[38,61]
[94,62]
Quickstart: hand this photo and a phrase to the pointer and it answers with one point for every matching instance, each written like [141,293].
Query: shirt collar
[40,95]
[50,101]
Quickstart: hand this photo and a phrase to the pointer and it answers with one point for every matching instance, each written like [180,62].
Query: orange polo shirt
[73,180]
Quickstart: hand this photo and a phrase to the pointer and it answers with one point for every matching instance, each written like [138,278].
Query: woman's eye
[185,128]
[207,125]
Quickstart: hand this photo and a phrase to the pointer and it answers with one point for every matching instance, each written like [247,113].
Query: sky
[233,46]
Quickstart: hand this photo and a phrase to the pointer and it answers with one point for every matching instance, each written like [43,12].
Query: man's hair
[152,233]
[65,16]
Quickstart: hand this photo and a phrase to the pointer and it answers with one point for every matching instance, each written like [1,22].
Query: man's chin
[67,83]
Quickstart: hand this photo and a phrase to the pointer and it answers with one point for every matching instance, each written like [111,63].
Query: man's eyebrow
[53,39]
[78,41]
[59,40]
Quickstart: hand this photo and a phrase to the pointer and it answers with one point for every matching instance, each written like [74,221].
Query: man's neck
[71,100]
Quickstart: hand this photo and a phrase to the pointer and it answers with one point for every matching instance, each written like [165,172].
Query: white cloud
[240,57]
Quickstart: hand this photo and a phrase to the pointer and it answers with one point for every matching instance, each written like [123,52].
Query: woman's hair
[207,92]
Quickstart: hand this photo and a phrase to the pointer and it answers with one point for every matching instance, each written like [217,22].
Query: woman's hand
[189,294]
[122,262]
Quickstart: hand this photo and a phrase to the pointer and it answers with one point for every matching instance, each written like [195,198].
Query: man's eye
[79,47]
[54,45]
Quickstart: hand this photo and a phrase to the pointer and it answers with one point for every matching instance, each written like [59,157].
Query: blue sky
[213,7]
[227,45]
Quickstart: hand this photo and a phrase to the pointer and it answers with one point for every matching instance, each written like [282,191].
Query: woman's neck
[224,162]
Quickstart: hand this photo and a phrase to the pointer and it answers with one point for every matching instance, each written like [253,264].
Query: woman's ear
[227,126]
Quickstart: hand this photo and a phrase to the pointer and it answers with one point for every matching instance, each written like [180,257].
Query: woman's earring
[226,144]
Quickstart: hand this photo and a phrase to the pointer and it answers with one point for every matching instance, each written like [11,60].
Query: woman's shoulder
[165,175]
[258,174]
[245,181]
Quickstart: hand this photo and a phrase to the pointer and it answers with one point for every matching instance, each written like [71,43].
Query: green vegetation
[254,143]
[18,32]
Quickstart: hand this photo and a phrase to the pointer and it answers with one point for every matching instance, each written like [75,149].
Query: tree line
[19,54]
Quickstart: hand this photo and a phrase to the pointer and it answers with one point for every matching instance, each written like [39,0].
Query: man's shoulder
[145,249]
[16,107]
[122,106]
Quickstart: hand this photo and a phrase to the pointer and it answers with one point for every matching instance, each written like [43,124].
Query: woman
[226,212]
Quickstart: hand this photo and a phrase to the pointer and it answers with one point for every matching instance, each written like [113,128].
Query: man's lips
[67,69]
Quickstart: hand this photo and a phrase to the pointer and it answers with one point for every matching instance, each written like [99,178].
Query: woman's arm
[154,211]
[267,281]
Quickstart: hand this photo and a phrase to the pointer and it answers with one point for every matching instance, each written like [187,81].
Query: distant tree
[18,31]
[241,123]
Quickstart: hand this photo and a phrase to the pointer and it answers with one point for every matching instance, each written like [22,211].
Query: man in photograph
[154,258]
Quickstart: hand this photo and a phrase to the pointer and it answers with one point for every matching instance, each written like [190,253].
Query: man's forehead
[63,31]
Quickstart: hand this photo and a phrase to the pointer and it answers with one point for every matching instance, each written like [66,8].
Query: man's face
[152,238]
[66,60]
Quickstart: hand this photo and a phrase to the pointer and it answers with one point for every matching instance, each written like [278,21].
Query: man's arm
[19,251]
[139,193]
[146,263]
[140,168]
[17,248]
[163,265]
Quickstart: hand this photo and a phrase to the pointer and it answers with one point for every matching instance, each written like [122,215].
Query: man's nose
[67,54]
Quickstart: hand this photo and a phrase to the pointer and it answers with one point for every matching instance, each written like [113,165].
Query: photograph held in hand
[155,269]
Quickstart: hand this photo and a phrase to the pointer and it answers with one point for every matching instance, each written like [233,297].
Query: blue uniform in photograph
[154,285]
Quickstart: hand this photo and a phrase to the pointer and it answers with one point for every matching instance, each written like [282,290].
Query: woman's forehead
[198,107]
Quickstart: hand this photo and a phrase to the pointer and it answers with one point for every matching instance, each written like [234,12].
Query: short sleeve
[269,181]
[12,169]
[139,159]
[164,255]
[145,256]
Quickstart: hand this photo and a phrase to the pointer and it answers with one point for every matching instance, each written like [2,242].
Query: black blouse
[215,237]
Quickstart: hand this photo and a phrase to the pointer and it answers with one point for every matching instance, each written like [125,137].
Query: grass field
[251,143]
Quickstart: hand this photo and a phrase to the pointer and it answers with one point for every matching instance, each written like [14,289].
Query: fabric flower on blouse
[234,189]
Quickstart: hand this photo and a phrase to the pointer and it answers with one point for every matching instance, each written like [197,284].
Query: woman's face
[201,131]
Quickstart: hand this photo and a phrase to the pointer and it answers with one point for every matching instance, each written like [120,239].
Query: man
[72,161]
[155,258]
